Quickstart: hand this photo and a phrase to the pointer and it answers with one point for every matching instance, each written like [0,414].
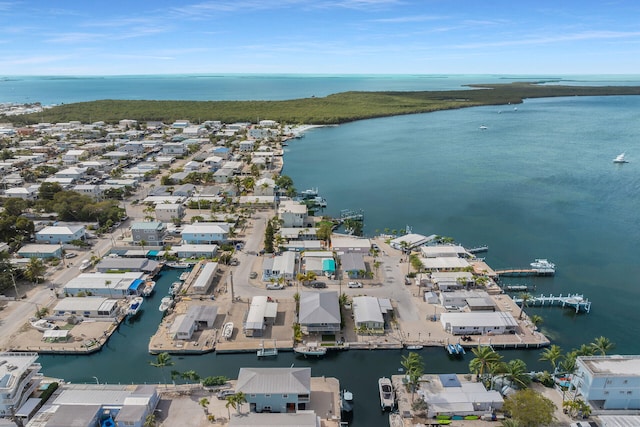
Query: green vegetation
[332,109]
[530,408]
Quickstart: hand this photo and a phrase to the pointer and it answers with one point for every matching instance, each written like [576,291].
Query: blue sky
[62,37]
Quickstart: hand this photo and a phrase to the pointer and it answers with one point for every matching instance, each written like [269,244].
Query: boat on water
[178,265]
[414,347]
[543,266]
[387,396]
[620,159]
[310,193]
[346,401]
[395,420]
[227,330]
[165,303]
[149,286]
[184,276]
[42,325]
[134,306]
[175,288]
[311,349]
[483,127]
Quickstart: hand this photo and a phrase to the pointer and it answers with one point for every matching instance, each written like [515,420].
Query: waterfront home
[112,285]
[450,394]
[353,265]
[167,212]
[447,263]
[104,404]
[609,383]
[279,267]
[94,307]
[262,312]
[206,232]
[61,234]
[297,233]
[411,241]
[19,378]
[482,323]
[152,232]
[252,419]
[196,251]
[460,299]
[369,313]
[205,278]
[144,265]
[350,244]
[40,251]
[196,317]
[439,251]
[282,390]
[319,312]
[293,214]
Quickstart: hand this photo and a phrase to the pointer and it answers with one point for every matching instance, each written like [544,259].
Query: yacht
[620,159]
[134,306]
[543,266]
[387,397]
[165,303]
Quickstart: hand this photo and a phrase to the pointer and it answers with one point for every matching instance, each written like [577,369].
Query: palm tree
[525,297]
[515,371]
[162,361]
[485,361]
[34,270]
[602,345]
[142,243]
[191,376]
[150,420]
[552,355]
[231,402]
[585,350]
[414,367]
[204,402]
[240,399]
[536,320]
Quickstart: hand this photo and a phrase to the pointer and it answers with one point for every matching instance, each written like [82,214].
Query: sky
[116,37]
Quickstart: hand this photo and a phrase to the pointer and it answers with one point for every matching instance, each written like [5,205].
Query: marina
[575,301]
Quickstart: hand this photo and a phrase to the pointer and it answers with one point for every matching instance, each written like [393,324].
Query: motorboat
[414,347]
[310,193]
[346,401]
[134,306]
[483,127]
[227,330]
[178,265]
[543,266]
[84,265]
[184,276]
[42,325]
[620,159]
[149,286]
[165,303]
[311,349]
[175,288]
[387,396]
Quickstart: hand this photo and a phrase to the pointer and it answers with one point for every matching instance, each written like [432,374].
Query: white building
[292,214]
[112,285]
[167,212]
[205,232]
[205,278]
[368,312]
[484,323]
[86,307]
[262,312]
[411,241]
[609,382]
[61,234]
[281,266]
[19,377]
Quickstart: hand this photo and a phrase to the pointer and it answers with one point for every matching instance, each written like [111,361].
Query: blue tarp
[135,284]
[153,253]
[328,265]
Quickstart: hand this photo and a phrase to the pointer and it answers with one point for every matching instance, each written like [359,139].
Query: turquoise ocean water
[538,183]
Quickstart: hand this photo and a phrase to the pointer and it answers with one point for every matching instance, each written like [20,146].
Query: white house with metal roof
[262,312]
[152,232]
[292,214]
[282,390]
[206,232]
[450,394]
[319,312]
[482,323]
[205,278]
[61,234]
[40,251]
[443,251]
[446,263]
[112,285]
[86,307]
[279,266]
[19,377]
[411,241]
[609,382]
[196,317]
[369,312]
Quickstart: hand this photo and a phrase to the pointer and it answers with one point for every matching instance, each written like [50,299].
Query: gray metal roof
[274,380]
[319,307]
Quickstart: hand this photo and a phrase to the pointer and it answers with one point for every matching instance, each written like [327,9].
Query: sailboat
[620,159]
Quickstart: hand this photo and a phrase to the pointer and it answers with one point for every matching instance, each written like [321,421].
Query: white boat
[387,397]
[134,306]
[483,127]
[84,265]
[620,159]
[165,303]
[310,193]
[346,401]
[227,330]
[414,347]
[42,325]
[311,349]
[543,266]
[184,275]
[149,286]
[178,265]
[175,288]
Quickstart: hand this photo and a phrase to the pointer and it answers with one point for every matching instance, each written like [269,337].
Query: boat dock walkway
[518,272]
[571,300]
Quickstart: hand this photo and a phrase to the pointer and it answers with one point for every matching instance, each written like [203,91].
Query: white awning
[56,333]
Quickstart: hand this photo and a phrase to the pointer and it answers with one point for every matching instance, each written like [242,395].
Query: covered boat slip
[262,311]
[205,278]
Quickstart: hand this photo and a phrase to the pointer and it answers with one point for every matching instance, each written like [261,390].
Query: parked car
[354,284]
[70,255]
[317,284]
[253,275]
[223,394]
[275,286]
[234,261]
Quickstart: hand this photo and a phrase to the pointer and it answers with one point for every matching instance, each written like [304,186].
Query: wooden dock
[576,301]
[519,272]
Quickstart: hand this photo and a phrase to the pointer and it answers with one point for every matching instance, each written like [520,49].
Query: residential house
[213,162]
[479,300]
[448,281]
[73,156]
[264,187]
[441,251]
[411,241]
[450,394]
[73,173]
[262,313]
[206,232]
[282,390]
[369,313]
[174,148]
[280,267]
[167,212]
[144,265]
[93,307]
[112,285]
[246,145]
[205,278]
[320,262]
[40,251]
[133,147]
[293,214]
[19,377]
[196,318]
[609,383]
[319,312]
[185,190]
[61,234]
[197,251]
[350,244]
[443,264]
[152,232]
[26,193]
[353,265]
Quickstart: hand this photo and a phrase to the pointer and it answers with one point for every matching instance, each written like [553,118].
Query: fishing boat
[227,330]
[175,288]
[346,401]
[149,286]
[178,265]
[414,347]
[387,397]
[42,325]
[483,127]
[184,275]
[543,266]
[311,349]
[620,159]
[165,303]
[134,306]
